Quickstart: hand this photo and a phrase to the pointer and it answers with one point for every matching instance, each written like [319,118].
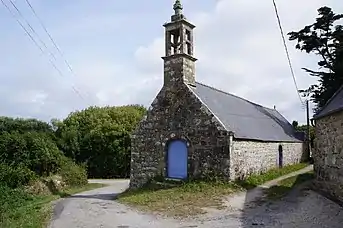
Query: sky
[115,47]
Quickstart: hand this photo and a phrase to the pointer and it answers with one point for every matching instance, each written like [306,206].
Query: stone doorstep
[165,184]
[172,179]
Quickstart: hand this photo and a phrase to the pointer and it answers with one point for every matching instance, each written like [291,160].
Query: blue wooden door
[177,160]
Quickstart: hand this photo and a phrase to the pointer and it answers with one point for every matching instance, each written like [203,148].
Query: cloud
[240,51]
[115,52]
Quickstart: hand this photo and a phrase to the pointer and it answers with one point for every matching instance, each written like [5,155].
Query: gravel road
[96,208]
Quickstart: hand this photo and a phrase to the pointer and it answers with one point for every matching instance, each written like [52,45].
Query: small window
[174,42]
[188,35]
[189,48]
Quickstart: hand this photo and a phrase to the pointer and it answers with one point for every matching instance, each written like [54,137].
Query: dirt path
[302,208]
[96,208]
[243,200]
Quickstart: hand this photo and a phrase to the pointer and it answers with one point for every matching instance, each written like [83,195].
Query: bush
[20,125]
[15,177]
[34,150]
[12,198]
[100,137]
[30,158]
[38,187]
[72,174]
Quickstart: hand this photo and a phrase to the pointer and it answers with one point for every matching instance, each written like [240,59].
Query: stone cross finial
[178,7]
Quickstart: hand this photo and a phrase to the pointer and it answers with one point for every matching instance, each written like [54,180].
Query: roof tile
[246,119]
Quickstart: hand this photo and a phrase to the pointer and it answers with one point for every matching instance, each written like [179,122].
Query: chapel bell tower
[179,62]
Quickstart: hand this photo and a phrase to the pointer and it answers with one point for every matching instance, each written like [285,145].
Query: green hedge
[28,152]
[73,174]
[100,138]
[97,138]
[12,198]
[15,177]
[34,150]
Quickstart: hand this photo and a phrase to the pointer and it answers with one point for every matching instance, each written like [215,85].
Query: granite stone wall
[179,68]
[251,157]
[328,155]
[177,113]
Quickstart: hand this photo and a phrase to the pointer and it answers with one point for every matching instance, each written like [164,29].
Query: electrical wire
[50,36]
[34,41]
[22,26]
[32,29]
[287,53]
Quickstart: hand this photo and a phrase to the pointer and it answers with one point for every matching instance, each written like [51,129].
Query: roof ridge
[230,94]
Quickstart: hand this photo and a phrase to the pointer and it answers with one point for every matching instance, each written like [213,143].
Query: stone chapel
[193,130]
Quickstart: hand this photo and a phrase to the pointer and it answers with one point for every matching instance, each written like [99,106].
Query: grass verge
[185,200]
[255,180]
[285,186]
[29,211]
[189,198]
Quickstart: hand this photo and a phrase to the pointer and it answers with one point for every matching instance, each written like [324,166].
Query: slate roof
[246,119]
[334,104]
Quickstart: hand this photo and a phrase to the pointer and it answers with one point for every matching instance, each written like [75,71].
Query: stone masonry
[328,155]
[178,113]
[251,157]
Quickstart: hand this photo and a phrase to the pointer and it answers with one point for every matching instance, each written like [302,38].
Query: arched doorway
[177,160]
[280,156]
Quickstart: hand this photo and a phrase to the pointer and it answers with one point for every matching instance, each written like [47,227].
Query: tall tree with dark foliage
[323,38]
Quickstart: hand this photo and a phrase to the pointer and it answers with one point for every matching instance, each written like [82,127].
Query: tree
[323,38]
[303,128]
[100,138]
[295,124]
[20,125]
[34,150]
[28,151]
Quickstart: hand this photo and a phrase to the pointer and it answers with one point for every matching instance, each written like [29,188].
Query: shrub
[35,150]
[8,124]
[55,184]
[12,198]
[100,137]
[37,187]
[15,177]
[73,174]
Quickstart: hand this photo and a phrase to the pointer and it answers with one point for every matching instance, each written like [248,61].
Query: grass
[23,210]
[285,186]
[190,198]
[255,180]
[185,200]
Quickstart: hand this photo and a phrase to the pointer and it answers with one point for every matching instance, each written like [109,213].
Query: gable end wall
[328,155]
[253,157]
[177,113]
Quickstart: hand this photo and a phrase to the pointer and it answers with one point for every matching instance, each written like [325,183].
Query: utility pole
[308,137]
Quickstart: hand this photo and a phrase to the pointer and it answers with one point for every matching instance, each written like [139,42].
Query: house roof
[334,104]
[246,119]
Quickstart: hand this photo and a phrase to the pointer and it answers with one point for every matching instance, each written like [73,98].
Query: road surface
[97,208]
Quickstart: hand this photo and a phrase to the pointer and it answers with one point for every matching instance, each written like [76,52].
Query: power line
[35,42]
[32,29]
[22,26]
[287,53]
[50,37]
